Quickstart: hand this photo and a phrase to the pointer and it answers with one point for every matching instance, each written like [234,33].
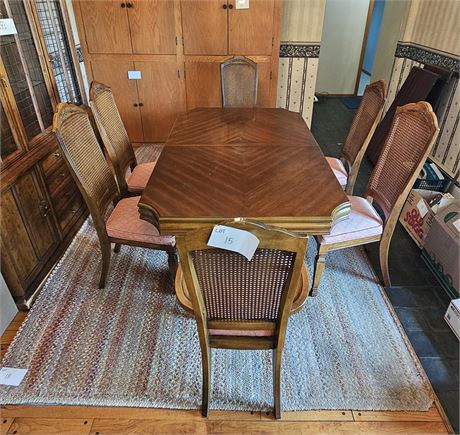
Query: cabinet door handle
[129,5]
[141,104]
[224,5]
[123,5]
[57,154]
[135,104]
[44,208]
[230,6]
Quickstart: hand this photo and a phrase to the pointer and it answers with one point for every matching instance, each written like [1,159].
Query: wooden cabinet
[177,46]
[35,228]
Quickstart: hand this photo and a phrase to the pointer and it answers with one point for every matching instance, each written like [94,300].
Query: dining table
[262,164]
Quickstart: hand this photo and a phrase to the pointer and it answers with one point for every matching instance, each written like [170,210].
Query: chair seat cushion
[125,223]
[339,170]
[363,221]
[140,176]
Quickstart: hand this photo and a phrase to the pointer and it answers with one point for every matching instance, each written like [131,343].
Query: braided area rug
[131,344]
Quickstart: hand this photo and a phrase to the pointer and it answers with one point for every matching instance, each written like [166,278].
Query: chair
[241,304]
[91,172]
[360,134]
[406,148]
[239,77]
[116,142]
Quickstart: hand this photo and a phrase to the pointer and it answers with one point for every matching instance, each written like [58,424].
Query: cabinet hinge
[178,74]
[176,40]
[271,75]
[182,41]
[273,41]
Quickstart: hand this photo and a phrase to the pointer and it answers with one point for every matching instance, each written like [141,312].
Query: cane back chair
[408,144]
[91,172]
[360,134]
[239,78]
[241,304]
[116,142]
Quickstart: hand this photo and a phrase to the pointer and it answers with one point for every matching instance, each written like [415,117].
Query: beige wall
[434,24]
[341,43]
[7,306]
[302,25]
[394,17]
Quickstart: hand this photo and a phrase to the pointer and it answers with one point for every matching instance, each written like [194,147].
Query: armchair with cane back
[116,142]
[360,134]
[239,77]
[241,304]
[91,172]
[408,144]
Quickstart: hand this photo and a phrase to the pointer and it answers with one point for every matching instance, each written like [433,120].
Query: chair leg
[277,381]
[206,364]
[116,248]
[384,249]
[173,262]
[106,253]
[320,264]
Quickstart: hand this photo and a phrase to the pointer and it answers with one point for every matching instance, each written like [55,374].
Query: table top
[259,163]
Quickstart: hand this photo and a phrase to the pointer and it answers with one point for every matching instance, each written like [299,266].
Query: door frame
[364,44]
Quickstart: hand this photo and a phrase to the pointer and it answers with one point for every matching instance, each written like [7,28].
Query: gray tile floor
[419,301]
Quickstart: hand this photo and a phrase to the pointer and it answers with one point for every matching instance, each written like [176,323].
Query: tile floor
[419,301]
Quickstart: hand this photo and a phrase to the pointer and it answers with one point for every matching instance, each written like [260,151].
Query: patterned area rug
[131,344]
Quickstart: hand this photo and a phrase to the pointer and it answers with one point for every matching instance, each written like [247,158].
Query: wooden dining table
[258,163]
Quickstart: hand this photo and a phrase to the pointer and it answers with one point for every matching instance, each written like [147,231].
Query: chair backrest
[362,128]
[409,141]
[229,292]
[85,159]
[112,131]
[239,78]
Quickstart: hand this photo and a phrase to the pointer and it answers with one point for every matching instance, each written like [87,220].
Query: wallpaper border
[299,49]
[426,56]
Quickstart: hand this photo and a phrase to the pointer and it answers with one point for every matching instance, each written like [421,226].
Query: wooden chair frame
[123,160]
[98,207]
[270,238]
[390,216]
[352,167]
[238,60]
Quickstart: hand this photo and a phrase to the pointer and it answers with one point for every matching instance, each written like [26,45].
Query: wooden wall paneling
[263,89]
[113,72]
[152,27]
[106,26]
[275,54]
[159,96]
[251,30]
[204,24]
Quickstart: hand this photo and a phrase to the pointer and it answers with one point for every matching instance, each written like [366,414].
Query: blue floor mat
[351,102]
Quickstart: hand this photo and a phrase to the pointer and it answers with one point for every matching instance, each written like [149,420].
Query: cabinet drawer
[57,179]
[69,210]
[52,163]
[63,194]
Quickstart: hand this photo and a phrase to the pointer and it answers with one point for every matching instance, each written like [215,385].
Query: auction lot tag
[11,376]
[234,239]
[422,208]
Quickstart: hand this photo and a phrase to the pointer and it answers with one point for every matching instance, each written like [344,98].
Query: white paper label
[134,75]
[11,376]
[456,224]
[242,4]
[7,27]
[422,208]
[234,239]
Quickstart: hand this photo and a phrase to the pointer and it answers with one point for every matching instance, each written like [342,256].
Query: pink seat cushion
[363,221]
[140,176]
[339,170]
[125,223]
[242,332]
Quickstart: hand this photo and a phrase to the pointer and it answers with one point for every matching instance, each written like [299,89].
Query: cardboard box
[417,216]
[452,316]
[442,246]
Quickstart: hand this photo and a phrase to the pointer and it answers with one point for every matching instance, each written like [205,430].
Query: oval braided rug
[131,344]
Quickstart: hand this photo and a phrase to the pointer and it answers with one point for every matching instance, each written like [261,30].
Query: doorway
[369,46]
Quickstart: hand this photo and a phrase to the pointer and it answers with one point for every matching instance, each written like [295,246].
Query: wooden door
[251,30]
[106,26]
[27,230]
[203,84]
[204,26]
[152,27]
[114,73]
[161,97]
